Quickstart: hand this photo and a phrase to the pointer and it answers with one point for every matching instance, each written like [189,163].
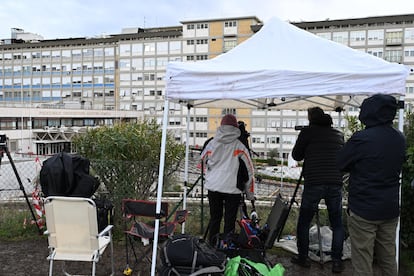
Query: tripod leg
[318,225]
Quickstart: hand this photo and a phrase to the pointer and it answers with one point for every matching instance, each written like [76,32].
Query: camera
[244,134]
[3,140]
[300,127]
[243,131]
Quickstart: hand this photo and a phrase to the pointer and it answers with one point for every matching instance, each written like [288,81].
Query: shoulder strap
[260,267]
[193,265]
[207,270]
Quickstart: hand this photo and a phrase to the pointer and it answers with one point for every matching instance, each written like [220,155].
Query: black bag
[104,211]
[190,252]
[64,174]
[276,221]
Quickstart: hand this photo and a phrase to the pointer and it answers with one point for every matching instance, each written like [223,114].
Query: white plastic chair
[72,230]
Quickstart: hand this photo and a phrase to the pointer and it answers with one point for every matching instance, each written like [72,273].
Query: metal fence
[28,169]
[127,175]
[12,184]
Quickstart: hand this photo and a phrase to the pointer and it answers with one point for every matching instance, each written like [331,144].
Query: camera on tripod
[300,127]
[3,141]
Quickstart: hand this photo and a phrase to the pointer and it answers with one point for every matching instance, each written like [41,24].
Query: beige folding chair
[72,229]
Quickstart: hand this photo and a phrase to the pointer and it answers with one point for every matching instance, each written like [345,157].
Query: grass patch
[15,223]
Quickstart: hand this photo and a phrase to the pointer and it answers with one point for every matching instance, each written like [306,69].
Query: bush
[407,192]
[126,157]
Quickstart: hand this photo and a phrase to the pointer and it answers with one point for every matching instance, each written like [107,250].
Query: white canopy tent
[279,67]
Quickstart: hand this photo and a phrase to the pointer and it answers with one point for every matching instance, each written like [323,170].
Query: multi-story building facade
[49,89]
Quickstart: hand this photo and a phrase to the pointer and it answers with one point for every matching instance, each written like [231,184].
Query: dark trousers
[217,201]
[332,194]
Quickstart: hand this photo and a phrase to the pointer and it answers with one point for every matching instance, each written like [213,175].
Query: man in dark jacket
[374,158]
[318,146]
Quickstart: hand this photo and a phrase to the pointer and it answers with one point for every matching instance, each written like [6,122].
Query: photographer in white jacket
[221,162]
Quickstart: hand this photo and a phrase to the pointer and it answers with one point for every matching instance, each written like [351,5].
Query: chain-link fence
[138,180]
[27,169]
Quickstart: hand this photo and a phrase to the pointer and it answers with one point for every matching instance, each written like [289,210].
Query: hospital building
[54,89]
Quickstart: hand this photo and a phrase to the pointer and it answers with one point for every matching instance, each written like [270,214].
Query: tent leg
[159,187]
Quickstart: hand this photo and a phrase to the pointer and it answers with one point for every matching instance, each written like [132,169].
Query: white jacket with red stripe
[221,162]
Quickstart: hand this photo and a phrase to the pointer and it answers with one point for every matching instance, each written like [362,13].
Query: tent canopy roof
[279,67]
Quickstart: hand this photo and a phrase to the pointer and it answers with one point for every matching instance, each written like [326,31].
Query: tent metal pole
[187,135]
[400,128]
[159,187]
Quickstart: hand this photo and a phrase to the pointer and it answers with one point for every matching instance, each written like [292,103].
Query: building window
[149,63]
[199,119]
[324,35]
[190,27]
[375,36]
[149,48]
[149,76]
[125,49]
[393,56]
[202,41]
[190,42]
[162,48]
[409,52]
[228,111]
[409,35]
[357,36]
[202,26]
[340,37]
[190,57]
[198,134]
[136,49]
[409,89]
[393,37]
[375,52]
[229,44]
[175,47]
[201,57]
[230,24]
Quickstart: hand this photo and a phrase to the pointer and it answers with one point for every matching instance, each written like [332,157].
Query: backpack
[186,251]
[105,212]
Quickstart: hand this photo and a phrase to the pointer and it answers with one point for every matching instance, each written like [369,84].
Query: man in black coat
[318,146]
[374,158]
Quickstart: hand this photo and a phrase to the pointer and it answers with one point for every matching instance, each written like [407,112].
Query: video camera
[3,140]
[300,127]
[244,134]
[242,127]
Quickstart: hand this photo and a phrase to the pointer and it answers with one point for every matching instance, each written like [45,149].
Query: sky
[91,18]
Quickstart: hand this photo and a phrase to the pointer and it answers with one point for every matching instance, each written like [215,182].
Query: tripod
[4,148]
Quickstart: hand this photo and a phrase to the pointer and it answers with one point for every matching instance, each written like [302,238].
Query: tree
[407,192]
[273,153]
[125,158]
[353,126]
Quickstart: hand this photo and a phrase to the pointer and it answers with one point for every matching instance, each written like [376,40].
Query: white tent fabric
[278,67]
[282,60]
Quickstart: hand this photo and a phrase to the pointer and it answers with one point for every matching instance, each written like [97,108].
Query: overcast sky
[89,18]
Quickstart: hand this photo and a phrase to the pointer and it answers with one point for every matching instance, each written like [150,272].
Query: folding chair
[135,212]
[72,229]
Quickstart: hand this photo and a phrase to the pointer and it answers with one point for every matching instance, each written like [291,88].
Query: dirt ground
[28,258]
